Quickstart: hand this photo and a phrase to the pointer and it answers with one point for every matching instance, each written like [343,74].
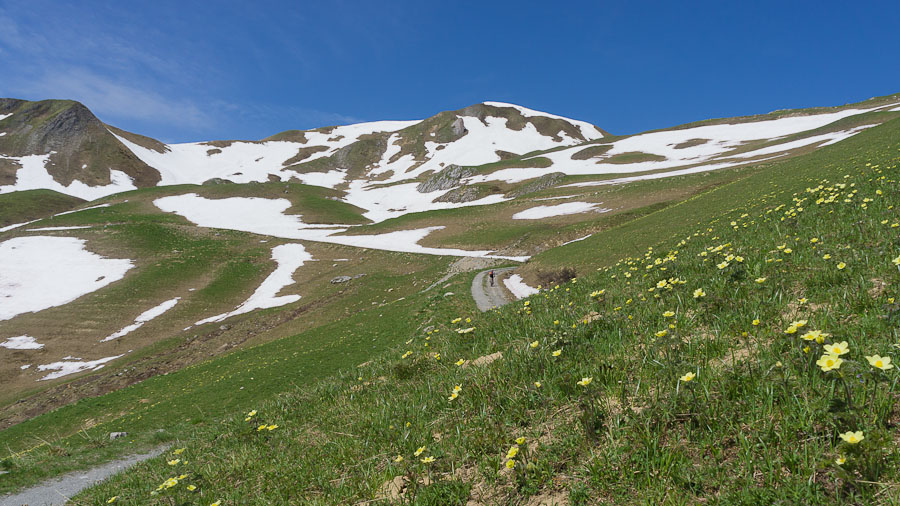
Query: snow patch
[53,229]
[536,213]
[65,368]
[266,216]
[576,240]
[4,116]
[82,209]
[143,318]
[289,258]
[21,343]
[589,131]
[17,225]
[33,175]
[26,366]
[40,272]
[518,287]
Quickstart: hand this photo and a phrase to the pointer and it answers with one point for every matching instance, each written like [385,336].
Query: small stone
[117,435]
[340,279]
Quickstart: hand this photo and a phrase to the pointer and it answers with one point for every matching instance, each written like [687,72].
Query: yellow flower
[173,462]
[806,349]
[419,451]
[688,377]
[826,256]
[465,331]
[537,384]
[852,437]
[217,503]
[791,330]
[261,427]
[879,362]
[814,240]
[755,322]
[179,451]
[841,266]
[788,250]
[272,427]
[799,323]
[699,293]
[662,333]
[252,413]
[557,353]
[454,395]
[455,321]
[760,280]
[513,451]
[398,458]
[669,314]
[840,460]
[192,487]
[428,460]
[510,464]
[408,353]
[829,362]
[896,261]
[535,344]
[520,440]
[460,362]
[112,499]
[814,335]
[585,381]
[837,349]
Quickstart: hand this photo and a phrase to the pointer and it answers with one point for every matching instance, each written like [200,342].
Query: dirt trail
[486,296]
[59,490]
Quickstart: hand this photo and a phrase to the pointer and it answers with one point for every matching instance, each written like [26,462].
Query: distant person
[491,274]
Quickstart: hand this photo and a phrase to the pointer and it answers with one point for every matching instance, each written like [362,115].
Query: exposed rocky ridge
[81,145]
[541,183]
[447,178]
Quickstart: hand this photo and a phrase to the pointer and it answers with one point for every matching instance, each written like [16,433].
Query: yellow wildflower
[755,322]
[510,464]
[837,349]
[537,384]
[662,333]
[398,458]
[112,499]
[217,503]
[585,381]
[688,377]
[173,462]
[179,451]
[419,451]
[192,487]
[455,321]
[760,280]
[841,266]
[272,427]
[520,440]
[513,451]
[829,362]
[879,362]
[699,293]
[453,396]
[669,314]
[460,362]
[852,437]
[535,344]
[557,353]
[840,460]
[428,460]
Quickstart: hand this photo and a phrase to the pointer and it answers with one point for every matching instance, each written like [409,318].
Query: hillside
[640,382]
[249,268]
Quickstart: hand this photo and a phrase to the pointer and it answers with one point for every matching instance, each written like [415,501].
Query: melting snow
[536,213]
[21,343]
[53,229]
[4,116]
[82,209]
[577,240]
[143,318]
[289,258]
[589,131]
[33,175]
[26,366]
[42,271]
[266,216]
[518,287]
[65,368]
[17,225]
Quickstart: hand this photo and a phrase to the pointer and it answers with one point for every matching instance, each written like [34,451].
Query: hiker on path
[491,274]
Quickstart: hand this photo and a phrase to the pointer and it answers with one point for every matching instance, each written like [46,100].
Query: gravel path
[486,296]
[59,490]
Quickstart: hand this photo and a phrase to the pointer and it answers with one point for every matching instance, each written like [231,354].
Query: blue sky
[184,71]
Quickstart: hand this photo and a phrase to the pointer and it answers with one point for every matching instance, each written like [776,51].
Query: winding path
[59,490]
[486,296]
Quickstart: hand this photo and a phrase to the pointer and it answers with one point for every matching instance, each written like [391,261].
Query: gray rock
[461,194]
[448,294]
[447,178]
[458,127]
[340,279]
[117,435]
[224,327]
[428,329]
[359,276]
[541,183]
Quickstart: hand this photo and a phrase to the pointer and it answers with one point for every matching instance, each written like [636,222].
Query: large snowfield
[40,272]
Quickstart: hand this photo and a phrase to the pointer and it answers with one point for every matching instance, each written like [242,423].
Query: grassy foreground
[744,362]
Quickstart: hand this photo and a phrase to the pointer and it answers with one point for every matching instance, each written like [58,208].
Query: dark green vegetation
[28,205]
[691,371]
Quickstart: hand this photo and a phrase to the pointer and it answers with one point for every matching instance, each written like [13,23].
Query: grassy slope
[759,423]
[27,205]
